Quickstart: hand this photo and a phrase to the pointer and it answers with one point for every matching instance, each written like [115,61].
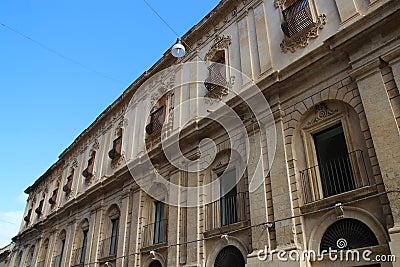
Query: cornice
[366,70]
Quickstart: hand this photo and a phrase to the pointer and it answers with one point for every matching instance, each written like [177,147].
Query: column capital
[363,71]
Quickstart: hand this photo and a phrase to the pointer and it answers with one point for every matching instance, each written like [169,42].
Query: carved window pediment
[298,23]
[217,82]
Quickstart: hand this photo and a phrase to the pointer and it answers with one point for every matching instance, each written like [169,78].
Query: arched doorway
[230,256]
[348,234]
[155,264]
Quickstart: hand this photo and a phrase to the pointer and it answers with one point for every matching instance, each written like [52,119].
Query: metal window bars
[334,177]
[227,210]
[154,233]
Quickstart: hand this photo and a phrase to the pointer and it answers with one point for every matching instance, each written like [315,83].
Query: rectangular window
[158,222]
[88,172]
[228,204]
[115,152]
[27,218]
[62,253]
[84,245]
[38,210]
[114,236]
[53,198]
[334,163]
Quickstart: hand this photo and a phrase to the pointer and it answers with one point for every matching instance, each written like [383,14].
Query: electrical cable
[250,226]
[57,53]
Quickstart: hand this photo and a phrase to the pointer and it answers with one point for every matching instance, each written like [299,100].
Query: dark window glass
[114,236]
[228,204]
[333,161]
[159,222]
[84,244]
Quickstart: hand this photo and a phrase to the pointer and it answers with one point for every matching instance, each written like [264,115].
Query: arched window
[89,171]
[29,257]
[43,252]
[60,247]
[230,256]
[81,240]
[109,245]
[155,264]
[18,260]
[116,151]
[68,186]
[347,234]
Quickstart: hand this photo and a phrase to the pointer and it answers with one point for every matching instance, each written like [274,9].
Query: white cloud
[9,226]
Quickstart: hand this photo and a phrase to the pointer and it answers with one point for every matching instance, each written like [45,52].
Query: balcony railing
[79,256]
[40,264]
[154,233]
[109,247]
[216,77]
[156,121]
[154,128]
[334,177]
[297,18]
[56,262]
[227,210]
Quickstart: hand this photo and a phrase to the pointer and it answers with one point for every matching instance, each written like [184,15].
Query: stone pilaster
[385,135]
[94,233]
[258,206]
[123,231]
[282,205]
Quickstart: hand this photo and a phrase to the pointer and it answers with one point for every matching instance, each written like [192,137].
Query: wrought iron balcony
[154,128]
[334,177]
[154,233]
[53,198]
[297,18]
[27,218]
[39,209]
[216,82]
[115,152]
[109,247]
[227,210]
[79,256]
[157,118]
[68,186]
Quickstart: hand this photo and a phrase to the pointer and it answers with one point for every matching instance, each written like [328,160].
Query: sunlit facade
[330,72]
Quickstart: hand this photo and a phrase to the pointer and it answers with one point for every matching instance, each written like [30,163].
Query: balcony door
[158,222]
[114,236]
[228,191]
[333,161]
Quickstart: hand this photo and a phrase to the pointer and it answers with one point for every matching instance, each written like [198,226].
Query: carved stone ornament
[74,163]
[321,112]
[220,43]
[123,123]
[302,40]
[116,163]
[279,3]
[96,145]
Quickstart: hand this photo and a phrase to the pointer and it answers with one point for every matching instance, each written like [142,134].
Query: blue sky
[83,55]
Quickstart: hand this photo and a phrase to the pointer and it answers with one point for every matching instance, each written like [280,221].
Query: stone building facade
[330,73]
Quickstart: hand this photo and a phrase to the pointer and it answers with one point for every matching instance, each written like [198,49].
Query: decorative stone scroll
[220,43]
[321,112]
[302,40]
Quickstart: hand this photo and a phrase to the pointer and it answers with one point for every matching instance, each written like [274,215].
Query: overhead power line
[57,53]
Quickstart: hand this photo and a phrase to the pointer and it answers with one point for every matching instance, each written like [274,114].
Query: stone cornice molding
[366,70]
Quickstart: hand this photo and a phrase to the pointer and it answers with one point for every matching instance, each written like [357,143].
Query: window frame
[308,132]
